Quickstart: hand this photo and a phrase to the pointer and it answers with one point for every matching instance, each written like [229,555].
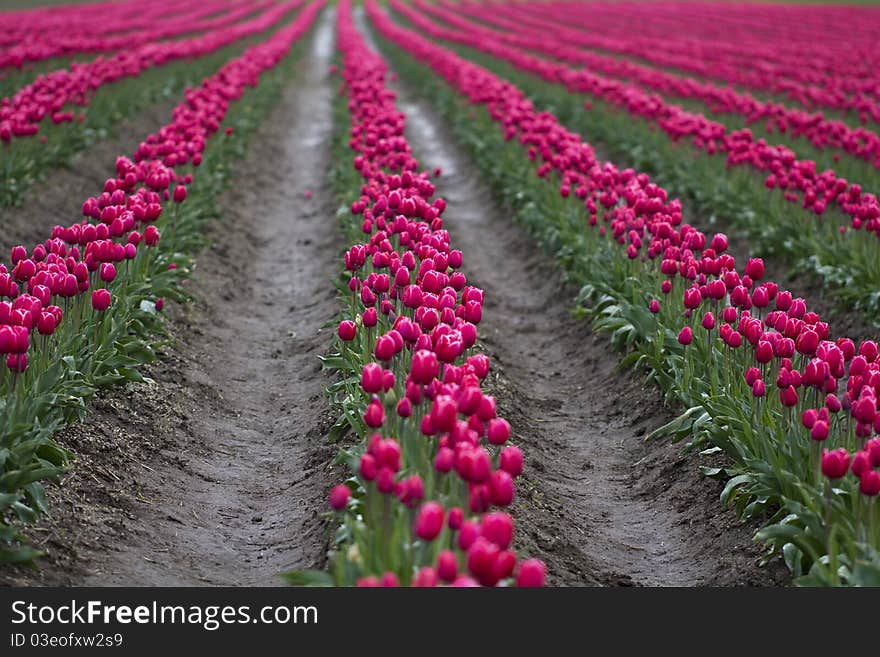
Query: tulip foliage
[433,471]
[77,310]
[763,378]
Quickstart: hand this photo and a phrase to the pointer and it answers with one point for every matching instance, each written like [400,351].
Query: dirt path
[218,474]
[598,504]
[241,509]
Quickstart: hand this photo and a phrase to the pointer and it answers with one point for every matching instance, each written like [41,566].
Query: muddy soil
[597,503]
[217,475]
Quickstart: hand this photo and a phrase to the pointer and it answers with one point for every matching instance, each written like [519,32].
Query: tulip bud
[17,362]
[835,463]
[108,272]
[368,468]
[809,417]
[692,298]
[819,431]
[873,449]
[455,518]
[385,480]
[371,377]
[501,489]
[374,415]
[686,336]
[532,573]
[425,367]
[339,496]
[429,521]
[861,463]
[425,578]
[404,407]
[467,534]
[759,389]
[498,431]
[101,300]
[498,528]
[511,460]
[347,330]
[447,566]
[869,483]
[444,460]
[788,396]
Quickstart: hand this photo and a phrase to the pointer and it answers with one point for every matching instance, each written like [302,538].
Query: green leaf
[308,578]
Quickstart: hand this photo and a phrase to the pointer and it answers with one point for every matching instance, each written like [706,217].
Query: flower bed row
[627,118]
[821,132]
[50,96]
[83,303]
[432,471]
[17,26]
[792,65]
[760,374]
[150,24]
[25,161]
[800,179]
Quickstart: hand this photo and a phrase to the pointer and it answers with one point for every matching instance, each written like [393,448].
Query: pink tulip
[447,566]
[429,521]
[532,573]
[835,463]
[347,330]
[339,496]
[101,300]
[511,460]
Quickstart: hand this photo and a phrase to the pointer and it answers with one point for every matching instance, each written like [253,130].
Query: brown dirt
[597,503]
[218,473]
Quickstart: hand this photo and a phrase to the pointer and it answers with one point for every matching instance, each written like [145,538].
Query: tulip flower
[447,566]
[429,521]
[685,336]
[511,460]
[347,330]
[101,300]
[532,573]
[339,496]
[371,377]
[869,483]
[835,463]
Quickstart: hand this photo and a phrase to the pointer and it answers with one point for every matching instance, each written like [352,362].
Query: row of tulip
[17,26]
[716,169]
[26,161]
[40,42]
[741,109]
[50,96]
[837,77]
[83,304]
[432,470]
[800,179]
[728,345]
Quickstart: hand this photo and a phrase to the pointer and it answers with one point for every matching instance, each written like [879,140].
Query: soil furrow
[218,474]
[598,505]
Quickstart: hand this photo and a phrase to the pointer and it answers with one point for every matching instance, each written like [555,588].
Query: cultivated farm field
[439,293]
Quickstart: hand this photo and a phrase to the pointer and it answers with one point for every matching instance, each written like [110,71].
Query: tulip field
[385,293]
